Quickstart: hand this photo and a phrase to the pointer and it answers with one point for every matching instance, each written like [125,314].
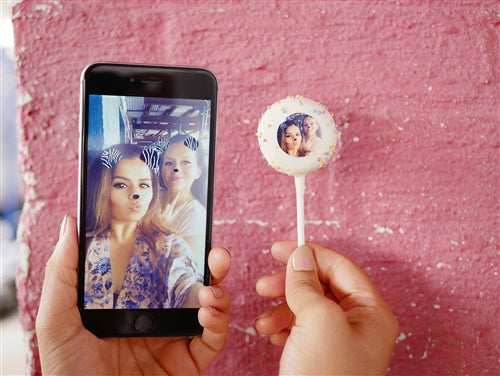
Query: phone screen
[145,198]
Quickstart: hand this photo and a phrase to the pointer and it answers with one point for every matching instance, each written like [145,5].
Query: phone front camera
[132,80]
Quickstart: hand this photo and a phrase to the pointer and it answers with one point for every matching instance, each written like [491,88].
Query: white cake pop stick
[300,186]
[296,136]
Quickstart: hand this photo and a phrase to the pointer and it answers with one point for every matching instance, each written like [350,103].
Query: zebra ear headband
[191,143]
[149,155]
[111,157]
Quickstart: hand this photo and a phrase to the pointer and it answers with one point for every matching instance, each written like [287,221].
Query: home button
[144,323]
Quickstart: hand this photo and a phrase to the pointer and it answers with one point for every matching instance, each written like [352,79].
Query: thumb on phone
[302,288]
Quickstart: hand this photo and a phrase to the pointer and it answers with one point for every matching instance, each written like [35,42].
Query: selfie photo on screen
[146,198]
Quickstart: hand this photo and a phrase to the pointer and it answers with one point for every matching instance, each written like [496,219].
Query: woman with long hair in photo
[183,179]
[133,261]
[311,140]
[290,138]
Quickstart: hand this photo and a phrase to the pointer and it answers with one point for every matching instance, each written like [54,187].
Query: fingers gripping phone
[145,198]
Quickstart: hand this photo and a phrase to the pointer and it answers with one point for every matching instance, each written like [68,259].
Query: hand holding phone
[147,144]
[66,347]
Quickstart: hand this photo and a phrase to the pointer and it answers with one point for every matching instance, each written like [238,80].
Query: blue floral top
[154,279]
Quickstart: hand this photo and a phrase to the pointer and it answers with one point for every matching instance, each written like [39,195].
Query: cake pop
[296,136]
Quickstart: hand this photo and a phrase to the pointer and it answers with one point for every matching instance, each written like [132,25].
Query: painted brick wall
[414,197]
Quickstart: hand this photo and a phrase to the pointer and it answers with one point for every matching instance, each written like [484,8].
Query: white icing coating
[295,110]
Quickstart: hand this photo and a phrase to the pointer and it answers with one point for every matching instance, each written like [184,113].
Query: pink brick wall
[414,198]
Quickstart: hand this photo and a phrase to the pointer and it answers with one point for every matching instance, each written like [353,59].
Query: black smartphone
[147,147]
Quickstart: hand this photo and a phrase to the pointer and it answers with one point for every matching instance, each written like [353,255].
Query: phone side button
[144,323]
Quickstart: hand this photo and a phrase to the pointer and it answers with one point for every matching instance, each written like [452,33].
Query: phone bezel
[123,79]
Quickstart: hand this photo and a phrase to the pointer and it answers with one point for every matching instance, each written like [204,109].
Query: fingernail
[303,259]
[62,230]
[216,291]
[264,315]
[213,311]
[227,250]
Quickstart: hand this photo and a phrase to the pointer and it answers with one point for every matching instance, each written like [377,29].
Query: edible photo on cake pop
[297,135]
